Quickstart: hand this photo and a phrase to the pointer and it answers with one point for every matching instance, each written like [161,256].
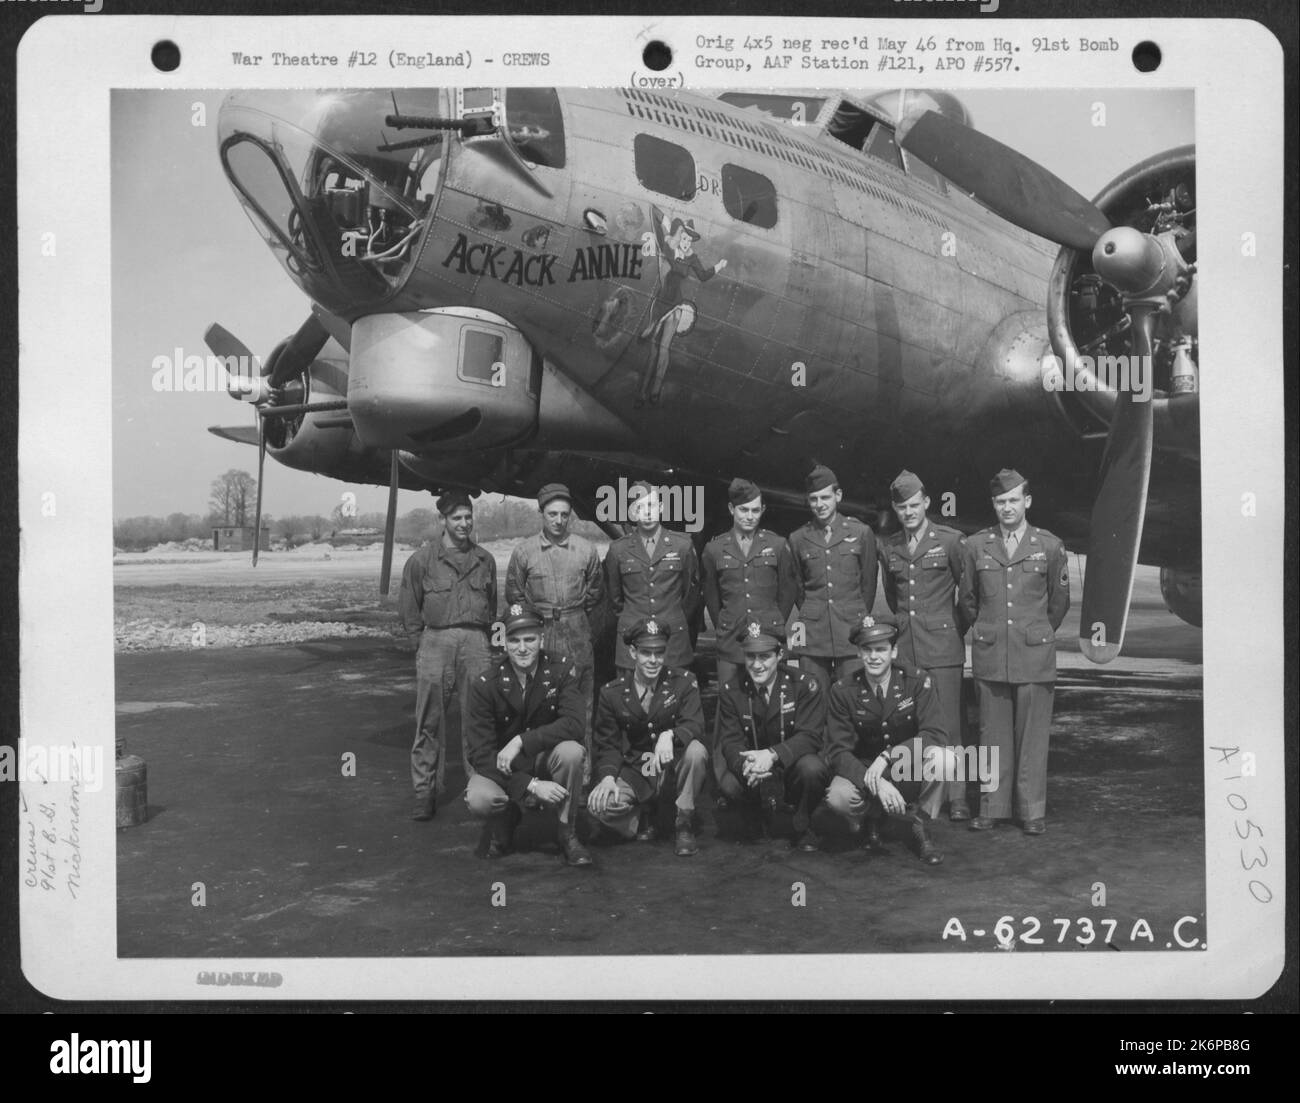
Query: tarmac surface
[248,792]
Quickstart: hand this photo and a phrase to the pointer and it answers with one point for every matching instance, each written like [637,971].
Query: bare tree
[231,498]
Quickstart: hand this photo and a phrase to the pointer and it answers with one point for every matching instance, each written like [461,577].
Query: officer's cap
[552,491]
[520,617]
[741,491]
[905,486]
[819,478]
[1006,479]
[452,501]
[762,634]
[646,633]
[873,629]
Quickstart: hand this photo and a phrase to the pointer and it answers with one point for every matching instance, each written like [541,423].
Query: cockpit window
[862,130]
[536,126]
[664,167]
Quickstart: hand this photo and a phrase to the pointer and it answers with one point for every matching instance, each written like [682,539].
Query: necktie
[826,532]
[912,543]
[646,694]
[1012,539]
[650,545]
[880,694]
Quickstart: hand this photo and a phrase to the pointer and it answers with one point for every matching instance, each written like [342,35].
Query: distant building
[233,538]
[356,536]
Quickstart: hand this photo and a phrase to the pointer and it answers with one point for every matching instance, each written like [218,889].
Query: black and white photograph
[645,523]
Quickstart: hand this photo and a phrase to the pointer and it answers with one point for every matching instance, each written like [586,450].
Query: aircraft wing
[240,434]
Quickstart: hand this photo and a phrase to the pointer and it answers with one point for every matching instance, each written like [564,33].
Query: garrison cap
[647,631]
[519,617]
[453,500]
[550,492]
[1006,479]
[905,486]
[741,491]
[762,634]
[873,629]
[819,478]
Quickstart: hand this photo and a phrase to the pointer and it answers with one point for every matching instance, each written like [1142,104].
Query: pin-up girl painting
[671,313]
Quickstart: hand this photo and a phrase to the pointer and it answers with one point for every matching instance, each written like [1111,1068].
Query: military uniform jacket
[859,727]
[1016,604]
[835,583]
[738,587]
[665,587]
[791,722]
[553,711]
[922,589]
[624,731]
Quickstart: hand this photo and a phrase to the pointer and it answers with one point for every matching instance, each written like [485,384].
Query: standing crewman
[449,598]
[747,576]
[921,570]
[557,573]
[649,742]
[653,573]
[886,743]
[522,735]
[771,727]
[835,578]
[1015,590]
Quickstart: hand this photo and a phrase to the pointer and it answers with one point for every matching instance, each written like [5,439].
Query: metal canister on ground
[132,791]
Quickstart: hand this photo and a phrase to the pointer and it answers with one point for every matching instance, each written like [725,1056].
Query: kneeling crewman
[648,740]
[523,736]
[887,744]
[770,723]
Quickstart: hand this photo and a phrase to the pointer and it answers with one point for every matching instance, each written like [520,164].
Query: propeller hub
[1130,261]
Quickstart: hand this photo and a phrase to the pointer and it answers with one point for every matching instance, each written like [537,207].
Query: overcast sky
[185,255]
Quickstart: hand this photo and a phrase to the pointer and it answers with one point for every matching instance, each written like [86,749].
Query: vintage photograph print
[642,522]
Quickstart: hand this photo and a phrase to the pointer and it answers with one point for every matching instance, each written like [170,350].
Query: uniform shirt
[1015,604]
[859,727]
[835,583]
[739,587]
[552,711]
[625,732]
[563,577]
[446,588]
[665,587]
[921,587]
[790,721]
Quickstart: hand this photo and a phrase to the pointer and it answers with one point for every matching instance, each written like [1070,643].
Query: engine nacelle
[1181,590]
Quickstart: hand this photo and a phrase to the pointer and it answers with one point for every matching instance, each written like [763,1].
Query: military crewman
[887,746]
[835,579]
[649,741]
[921,569]
[771,724]
[523,736]
[448,600]
[558,574]
[653,573]
[1015,590]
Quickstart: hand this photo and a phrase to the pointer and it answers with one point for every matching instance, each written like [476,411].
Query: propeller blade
[261,465]
[301,349]
[390,525]
[1008,183]
[240,434]
[225,344]
[1118,513]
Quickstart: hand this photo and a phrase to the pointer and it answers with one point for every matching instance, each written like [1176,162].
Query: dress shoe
[501,831]
[930,854]
[645,826]
[871,839]
[575,854]
[684,845]
[808,842]
[982,823]
[959,811]
[425,807]
[1034,827]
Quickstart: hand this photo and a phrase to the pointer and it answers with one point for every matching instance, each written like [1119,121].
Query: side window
[480,353]
[664,167]
[535,125]
[748,196]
